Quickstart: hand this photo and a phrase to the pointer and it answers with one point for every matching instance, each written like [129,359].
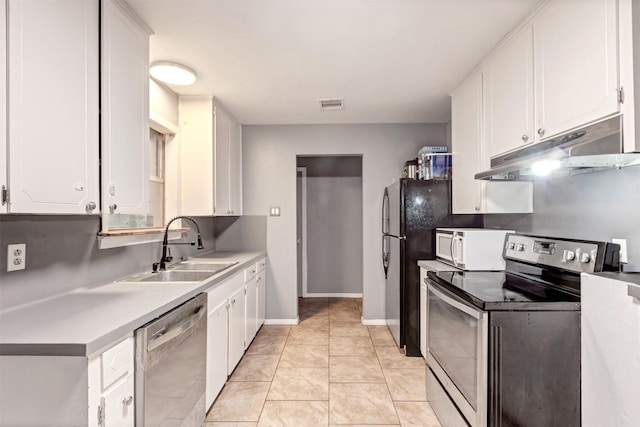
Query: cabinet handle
[113,207]
[127,401]
[233,301]
[91,206]
[541,132]
[477,208]
[525,138]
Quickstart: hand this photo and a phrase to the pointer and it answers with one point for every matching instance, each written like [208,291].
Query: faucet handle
[154,267]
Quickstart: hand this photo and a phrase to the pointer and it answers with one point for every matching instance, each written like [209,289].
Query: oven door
[457,345]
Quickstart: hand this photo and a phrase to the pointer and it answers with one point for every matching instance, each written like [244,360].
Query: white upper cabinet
[53,61]
[211,158]
[508,95]
[228,160]
[576,65]
[125,110]
[469,195]
[3,105]
[466,131]
[235,168]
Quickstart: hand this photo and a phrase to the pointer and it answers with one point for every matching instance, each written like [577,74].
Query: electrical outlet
[623,249]
[16,257]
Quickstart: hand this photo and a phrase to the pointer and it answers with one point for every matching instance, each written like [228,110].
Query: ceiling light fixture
[172,73]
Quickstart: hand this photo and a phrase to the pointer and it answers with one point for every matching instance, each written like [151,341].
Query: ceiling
[270,61]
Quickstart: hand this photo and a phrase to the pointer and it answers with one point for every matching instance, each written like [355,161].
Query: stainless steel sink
[172,276]
[201,266]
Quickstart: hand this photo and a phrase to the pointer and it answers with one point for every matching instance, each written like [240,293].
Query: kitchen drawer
[117,362]
[261,265]
[250,273]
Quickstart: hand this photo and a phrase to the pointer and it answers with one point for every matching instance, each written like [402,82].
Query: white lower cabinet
[236,312]
[94,391]
[423,312]
[111,387]
[236,328]
[610,340]
[217,350]
[261,292]
[251,312]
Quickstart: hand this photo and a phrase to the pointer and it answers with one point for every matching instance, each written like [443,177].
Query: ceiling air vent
[331,104]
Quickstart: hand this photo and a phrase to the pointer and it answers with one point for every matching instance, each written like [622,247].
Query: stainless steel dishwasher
[171,367]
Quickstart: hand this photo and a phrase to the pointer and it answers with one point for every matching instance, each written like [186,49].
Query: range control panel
[573,255]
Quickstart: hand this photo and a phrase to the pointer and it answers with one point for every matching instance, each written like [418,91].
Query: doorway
[329,226]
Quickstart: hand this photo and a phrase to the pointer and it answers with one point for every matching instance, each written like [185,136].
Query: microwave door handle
[454,249]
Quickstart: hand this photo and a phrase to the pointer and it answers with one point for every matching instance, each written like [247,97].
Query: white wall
[269,179]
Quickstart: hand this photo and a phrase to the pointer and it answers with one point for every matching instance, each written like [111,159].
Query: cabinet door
[118,405]
[576,71]
[235,169]
[508,96]
[251,312]
[236,328]
[466,128]
[221,158]
[3,102]
[217,350]
[610,348]
[53,105]
[125,112]
[261,280]
[196,145]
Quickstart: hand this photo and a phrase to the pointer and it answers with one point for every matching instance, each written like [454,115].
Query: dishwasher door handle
[162,338]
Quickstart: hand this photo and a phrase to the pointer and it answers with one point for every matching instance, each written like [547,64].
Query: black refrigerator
[411,211]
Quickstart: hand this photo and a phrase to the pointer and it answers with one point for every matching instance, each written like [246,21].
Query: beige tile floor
[329,370]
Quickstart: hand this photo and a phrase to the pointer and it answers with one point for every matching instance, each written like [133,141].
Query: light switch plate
[624,258]
[16,257]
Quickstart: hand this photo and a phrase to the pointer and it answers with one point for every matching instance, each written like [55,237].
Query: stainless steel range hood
[592,148]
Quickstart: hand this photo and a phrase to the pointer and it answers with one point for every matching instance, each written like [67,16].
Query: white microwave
[475,249]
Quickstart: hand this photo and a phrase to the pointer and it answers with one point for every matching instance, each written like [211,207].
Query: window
[156,215]
[156,178]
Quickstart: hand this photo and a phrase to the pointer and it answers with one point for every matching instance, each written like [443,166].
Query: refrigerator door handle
[395,237]
[385,212]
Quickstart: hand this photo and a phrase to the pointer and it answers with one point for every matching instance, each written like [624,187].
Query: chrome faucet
[166,257]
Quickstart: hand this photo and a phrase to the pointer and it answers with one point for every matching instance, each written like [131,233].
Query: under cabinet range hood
[592,148]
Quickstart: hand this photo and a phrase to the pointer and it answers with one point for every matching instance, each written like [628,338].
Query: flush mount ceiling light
[172,73]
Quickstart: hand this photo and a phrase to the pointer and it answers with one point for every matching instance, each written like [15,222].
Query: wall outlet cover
[624,256]
[16,257]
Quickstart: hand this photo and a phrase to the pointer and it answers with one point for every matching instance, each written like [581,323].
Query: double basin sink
[184,272]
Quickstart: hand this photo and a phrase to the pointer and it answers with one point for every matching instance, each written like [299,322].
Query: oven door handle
[431,287]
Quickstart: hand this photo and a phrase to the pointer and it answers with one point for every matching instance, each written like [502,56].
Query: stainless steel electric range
[503,348]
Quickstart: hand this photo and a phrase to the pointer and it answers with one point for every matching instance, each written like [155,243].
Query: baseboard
[333,296]
[374,322]
[282,321]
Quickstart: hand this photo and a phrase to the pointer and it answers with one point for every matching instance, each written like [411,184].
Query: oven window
[453,342]
[444,246]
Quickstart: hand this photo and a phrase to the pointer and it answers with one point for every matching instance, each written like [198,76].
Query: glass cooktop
[503,291]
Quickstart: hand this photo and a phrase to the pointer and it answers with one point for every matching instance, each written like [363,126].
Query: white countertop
[84,321]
